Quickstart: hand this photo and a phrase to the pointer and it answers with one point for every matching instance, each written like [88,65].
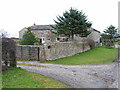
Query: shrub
[28,38]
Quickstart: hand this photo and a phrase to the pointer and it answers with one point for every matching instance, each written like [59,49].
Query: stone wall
[64,49]
[30,52]
[8,53]
[51,51]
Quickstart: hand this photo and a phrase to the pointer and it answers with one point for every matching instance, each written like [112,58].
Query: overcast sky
[17,14]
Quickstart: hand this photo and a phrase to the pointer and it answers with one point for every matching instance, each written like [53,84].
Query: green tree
[72,22]
[109,35]
[111,30]
[105,38]
[28,38]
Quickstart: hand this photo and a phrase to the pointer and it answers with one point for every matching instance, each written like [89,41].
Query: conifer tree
[109,35]
[71,23]
[111,30]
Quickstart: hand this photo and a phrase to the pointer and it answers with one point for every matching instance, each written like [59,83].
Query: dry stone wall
[30,52]
[8,51]
[64,49]
[51,51]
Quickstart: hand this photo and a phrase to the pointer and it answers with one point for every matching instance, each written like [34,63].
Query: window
[45,31]
[49,47]
[48,39]
[58,39]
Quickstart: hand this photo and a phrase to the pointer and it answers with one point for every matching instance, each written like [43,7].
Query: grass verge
[117,42]
[31,65]
[0,80]
[98,55]
[25,60]
[20,78]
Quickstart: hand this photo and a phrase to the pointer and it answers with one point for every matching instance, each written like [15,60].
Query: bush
[28,38]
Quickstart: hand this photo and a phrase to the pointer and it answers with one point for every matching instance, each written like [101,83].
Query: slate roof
[48,27]
[42,27]
[96,30]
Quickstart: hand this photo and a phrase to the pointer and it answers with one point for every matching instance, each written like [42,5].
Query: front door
[40,41]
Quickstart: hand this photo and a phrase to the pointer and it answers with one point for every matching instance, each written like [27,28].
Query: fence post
[38,53]
[21,52]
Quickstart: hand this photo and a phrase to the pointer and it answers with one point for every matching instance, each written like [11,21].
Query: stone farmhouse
[45,34]
[42,32]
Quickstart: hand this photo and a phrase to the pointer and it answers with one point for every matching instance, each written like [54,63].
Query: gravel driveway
[78,76]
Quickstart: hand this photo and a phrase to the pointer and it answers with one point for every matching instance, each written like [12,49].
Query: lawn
[117,42]
[97,55]
[20,78]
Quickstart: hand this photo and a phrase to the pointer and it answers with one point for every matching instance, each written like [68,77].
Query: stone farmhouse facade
[42,32]
[45,34]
